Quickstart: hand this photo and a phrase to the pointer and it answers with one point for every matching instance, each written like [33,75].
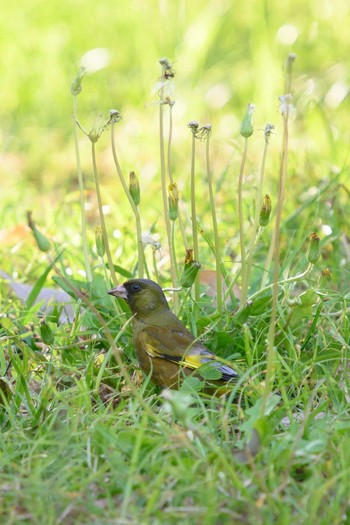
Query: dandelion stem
[194,216]
[271,350]
[170,138]
[253,239]
[215,229]
[164,190]
[134,208]
[102,219]
[240,221]
[173,254]
[81,191]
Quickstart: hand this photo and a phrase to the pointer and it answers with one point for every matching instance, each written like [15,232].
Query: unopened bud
[190,272]
[134,188]
[76,85]
[265,211]
[100,245]
[173,201]
[313,252]
[42,242]
[246,128]
[46,333]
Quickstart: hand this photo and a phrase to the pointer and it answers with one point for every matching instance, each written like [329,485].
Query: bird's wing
[179,346]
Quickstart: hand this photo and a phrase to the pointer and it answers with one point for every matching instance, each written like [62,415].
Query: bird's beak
[119,291]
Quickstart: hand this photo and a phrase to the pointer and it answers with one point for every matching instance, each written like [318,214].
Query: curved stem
[292,279]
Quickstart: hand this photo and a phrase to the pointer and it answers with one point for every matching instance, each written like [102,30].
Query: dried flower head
[286,106]
[114,116]
[189,256]
[204,132]
[164,62]
[268,132]
[193,125]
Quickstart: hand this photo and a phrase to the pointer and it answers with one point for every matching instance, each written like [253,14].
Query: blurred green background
[226,54]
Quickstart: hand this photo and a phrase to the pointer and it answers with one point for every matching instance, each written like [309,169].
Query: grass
[85,437]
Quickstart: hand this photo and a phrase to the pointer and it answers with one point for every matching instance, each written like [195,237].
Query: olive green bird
[165,349]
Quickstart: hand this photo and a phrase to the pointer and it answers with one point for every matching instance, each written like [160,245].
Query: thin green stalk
[228,281]
[253,234]
[165,196]
[146,268]
[102,219]
[215,229]
[140,251]
[104,268]
[81,191]
[267,265]
[194,213]
[240,221]
[271,352]
[173,251]
[170,138]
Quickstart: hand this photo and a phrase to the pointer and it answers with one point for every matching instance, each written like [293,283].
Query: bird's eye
[135,287]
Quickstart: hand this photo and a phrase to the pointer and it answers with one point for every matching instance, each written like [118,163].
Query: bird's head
[145,297]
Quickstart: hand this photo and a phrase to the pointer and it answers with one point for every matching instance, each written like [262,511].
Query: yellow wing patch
[151,351]
[191,361]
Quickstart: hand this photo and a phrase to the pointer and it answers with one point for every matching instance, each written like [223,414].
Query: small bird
[166,350]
